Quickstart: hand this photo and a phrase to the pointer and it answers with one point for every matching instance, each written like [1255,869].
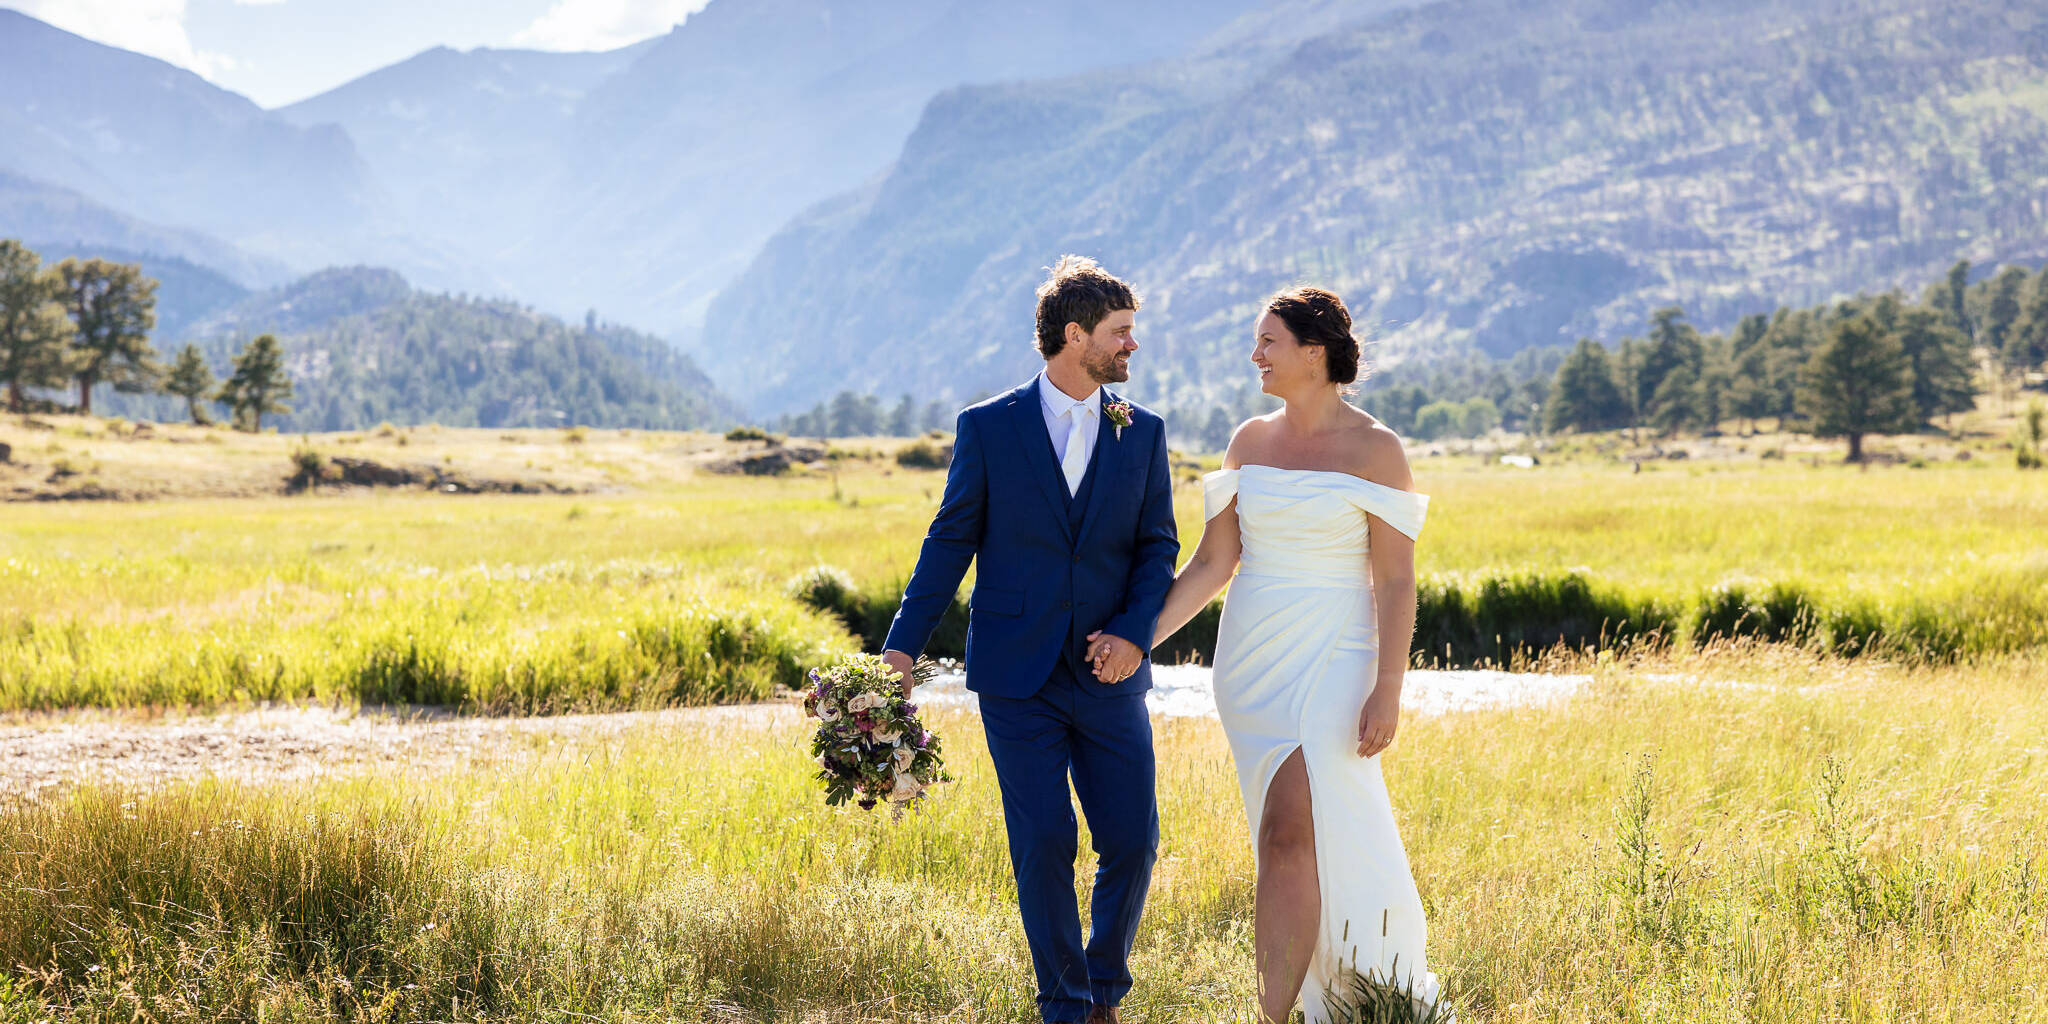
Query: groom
[1060,489]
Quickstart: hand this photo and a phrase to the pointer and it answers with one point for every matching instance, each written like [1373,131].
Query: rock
[773,462]
[6,453]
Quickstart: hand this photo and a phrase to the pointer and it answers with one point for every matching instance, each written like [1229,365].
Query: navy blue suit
[1050,569]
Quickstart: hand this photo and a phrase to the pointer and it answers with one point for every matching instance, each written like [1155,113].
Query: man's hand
[903,665]
[1114,657]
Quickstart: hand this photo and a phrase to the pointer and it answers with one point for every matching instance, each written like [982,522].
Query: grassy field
[1736,836]
[669,584]
[1741,833]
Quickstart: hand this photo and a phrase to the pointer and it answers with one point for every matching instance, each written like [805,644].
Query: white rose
[906,789]
[904,758]
[860,702]
[828,711]
[888,735]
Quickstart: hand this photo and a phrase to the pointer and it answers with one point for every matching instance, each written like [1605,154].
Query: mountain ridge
[1463,189]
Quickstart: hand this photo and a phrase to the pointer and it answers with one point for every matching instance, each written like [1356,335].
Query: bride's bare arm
[1392,559]
[1204,576]
[1209,570]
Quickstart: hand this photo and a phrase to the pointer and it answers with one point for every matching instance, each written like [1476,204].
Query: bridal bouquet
[870,745]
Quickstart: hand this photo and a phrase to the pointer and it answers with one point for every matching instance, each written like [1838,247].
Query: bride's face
[1286,366]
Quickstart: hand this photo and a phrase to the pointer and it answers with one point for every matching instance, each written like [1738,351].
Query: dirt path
[41,755]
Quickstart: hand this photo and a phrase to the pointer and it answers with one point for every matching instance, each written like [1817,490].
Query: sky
[278,52]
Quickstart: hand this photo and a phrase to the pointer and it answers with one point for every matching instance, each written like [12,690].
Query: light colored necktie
[1075,462]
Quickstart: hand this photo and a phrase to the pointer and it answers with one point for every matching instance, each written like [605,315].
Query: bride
[1313,517]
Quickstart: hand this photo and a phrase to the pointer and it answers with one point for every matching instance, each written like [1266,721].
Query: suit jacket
[1047,574]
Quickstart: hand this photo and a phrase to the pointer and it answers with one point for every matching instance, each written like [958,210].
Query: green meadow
[678,590]
[1843,825]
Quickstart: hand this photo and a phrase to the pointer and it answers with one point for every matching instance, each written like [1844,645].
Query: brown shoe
[1101,1014]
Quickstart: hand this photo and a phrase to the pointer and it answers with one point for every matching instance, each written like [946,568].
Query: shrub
[1773,613]
[924,454]
[746,434]
[575,435]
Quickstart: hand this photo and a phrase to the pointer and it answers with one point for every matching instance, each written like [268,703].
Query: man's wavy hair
[1077,290]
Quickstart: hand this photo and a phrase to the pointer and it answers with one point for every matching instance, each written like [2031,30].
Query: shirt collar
[1057,402]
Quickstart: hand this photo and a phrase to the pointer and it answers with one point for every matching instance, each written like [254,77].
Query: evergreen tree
[2026,345]
[1789,344]
[2002,312]
[1216,433]
[32,325]
[191,379]
[1939,357]
[112,309]
[1673,365]
[259,384]
[1950,294]
[1748,394]
[903,420]
[1857,383]
[1586,396]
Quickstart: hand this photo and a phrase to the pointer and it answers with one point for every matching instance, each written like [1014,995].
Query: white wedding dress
[1296,655]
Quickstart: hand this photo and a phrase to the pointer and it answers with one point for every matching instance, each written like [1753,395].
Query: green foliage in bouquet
[870,745]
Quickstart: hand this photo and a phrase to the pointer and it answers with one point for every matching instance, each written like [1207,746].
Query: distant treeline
[358,347]
[84,322]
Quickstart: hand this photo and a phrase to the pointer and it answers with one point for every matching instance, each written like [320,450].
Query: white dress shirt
[1074,429]
[1059,418]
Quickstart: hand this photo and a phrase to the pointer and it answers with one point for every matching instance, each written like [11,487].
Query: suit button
[1077,559]
[1064,605]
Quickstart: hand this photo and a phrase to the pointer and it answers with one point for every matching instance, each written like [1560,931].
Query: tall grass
[614,600]
[1741,835]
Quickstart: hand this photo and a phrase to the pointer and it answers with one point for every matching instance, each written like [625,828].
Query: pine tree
[1857,383]
[32,325]
[259,383]
[1672,369]
[2002,311]
[1939,357]
[112,309]
[1749,394]
[1586,396]
[2026,345]
[1953,290]
[192,380]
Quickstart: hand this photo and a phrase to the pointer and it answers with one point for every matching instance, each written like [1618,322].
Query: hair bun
[1317,316]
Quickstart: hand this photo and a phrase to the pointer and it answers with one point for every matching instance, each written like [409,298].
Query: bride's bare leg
[1290,903]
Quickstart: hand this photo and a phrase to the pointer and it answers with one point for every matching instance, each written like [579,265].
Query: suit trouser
[1105,743]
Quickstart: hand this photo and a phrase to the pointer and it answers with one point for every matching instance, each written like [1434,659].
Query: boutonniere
[1119,414]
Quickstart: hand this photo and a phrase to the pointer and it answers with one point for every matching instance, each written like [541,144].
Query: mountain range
[863,196]
[636,182]
[1466,188]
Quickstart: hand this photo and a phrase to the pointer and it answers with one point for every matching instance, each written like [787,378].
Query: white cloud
[603,24]
[154,27]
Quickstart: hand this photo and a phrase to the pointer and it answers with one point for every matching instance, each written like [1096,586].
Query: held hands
[1378,720]
[1113,657]
[902,664]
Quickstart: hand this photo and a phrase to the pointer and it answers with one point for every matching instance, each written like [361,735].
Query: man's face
[1106,350]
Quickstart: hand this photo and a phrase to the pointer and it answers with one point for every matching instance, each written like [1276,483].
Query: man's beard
[1107,370]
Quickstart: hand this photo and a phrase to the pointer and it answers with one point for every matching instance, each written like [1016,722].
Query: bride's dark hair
[1318,317]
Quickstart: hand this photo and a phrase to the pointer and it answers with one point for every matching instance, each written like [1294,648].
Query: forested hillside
[1477,175]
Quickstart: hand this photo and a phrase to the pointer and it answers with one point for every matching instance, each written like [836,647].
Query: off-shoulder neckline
[1325,472]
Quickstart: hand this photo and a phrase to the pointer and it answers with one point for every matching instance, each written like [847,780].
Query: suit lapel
[1029,425]
[1108,461]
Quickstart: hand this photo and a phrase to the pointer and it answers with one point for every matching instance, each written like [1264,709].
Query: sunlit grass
[1737,836]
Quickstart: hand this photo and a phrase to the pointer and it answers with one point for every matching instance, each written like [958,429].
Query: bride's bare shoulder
[1249,440]
[1376,453]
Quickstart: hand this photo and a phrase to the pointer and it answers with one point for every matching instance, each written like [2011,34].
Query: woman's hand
[1378,720]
